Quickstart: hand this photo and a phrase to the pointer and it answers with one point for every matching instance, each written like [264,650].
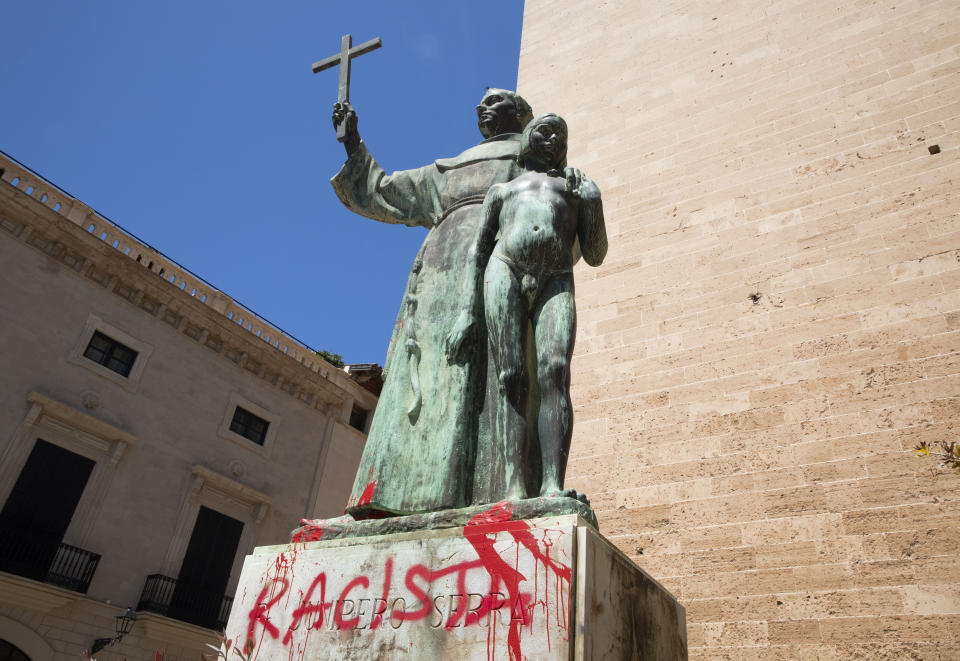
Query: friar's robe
[422,445]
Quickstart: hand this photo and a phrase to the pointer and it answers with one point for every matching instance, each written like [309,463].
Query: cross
[343,59]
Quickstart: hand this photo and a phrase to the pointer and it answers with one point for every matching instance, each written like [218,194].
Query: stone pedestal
[496,588]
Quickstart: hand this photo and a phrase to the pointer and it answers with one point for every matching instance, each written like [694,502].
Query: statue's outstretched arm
[407,197]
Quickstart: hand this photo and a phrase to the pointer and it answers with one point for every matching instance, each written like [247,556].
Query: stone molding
[214,490]
[68,231]
[34,595]
[25,639]
[158,627]
[204,478]
[109,441]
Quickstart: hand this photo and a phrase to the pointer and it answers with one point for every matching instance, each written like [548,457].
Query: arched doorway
[19,642]
[9,652]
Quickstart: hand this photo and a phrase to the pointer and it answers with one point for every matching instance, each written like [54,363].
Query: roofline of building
[182,284]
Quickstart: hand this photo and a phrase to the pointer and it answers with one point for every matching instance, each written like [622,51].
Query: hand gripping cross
[347,53]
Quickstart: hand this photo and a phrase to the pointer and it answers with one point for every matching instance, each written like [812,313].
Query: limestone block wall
[776,324]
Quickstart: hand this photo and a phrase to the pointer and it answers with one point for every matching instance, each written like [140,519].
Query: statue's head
[544,140]
[502,111]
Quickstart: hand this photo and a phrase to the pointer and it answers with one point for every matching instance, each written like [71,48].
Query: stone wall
[776,324]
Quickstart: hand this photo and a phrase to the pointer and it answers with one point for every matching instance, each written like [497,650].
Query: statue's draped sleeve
[408,197]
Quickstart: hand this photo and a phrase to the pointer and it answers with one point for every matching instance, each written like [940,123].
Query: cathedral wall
[777,323]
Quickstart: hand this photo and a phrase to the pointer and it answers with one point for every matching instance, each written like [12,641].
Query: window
[111,354]
[358,417]
[249,425]
[244,421]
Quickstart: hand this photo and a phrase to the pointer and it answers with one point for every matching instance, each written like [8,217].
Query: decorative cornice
[157,627]
[68,231]
[259,503]
[105,437]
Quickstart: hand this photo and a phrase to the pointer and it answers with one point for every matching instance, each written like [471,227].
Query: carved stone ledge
[34,595]
[206,479]
[100,436]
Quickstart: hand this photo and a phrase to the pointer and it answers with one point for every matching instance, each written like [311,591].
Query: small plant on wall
[334,359]
[948,454]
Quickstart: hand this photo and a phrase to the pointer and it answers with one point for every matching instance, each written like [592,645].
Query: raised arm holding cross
[424,451]
[342,107]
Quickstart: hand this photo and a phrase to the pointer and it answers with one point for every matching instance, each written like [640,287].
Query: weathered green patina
[421,449]
[476,407]
[520,280]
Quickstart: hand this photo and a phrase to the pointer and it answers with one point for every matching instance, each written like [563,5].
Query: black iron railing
[186,602]
[47,560]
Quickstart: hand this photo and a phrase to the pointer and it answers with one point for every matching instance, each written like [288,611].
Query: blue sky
[200,128]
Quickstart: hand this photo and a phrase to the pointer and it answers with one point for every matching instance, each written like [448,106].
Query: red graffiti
[308,609]
[261,611]
[351,610]
[378,614]
[338,611]
[477,532]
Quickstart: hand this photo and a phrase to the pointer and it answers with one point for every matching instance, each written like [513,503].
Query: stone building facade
[152,431]
[777,323]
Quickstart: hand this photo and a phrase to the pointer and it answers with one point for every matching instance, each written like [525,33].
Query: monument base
[496,588]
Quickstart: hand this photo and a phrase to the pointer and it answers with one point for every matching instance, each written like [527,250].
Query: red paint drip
[282,565]
[478,532]
[310,531]
[261,612]
[367,494]
[308,609]
[481,531]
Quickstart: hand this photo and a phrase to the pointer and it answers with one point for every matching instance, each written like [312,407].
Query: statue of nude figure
[531,230]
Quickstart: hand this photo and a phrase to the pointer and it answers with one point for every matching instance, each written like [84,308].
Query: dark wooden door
[40,507]
[206,568]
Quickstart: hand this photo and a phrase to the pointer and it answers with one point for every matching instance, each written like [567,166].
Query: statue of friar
[422,445]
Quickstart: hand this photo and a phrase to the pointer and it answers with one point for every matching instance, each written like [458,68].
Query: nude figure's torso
[538,224]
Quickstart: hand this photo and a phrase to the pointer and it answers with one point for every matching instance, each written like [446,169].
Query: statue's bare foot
[565,493]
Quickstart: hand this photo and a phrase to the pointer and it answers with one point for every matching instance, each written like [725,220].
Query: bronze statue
[422,446]
[525,250]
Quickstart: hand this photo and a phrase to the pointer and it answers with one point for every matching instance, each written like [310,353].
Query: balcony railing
[183,601]
[48,561]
